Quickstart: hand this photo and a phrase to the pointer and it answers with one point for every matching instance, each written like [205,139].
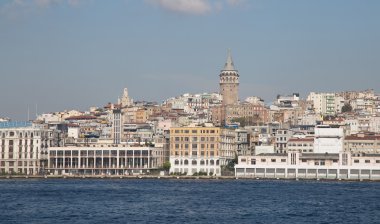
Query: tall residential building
[195,149]
[229,82]
[326,103]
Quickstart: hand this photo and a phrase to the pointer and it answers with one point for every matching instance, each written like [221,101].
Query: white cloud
[185,6]
[195,7]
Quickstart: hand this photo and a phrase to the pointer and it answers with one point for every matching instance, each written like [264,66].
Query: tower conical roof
[229,63]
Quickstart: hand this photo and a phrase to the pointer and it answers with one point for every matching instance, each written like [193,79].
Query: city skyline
[76,54]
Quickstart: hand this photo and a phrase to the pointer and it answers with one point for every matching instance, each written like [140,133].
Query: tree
[346,108]
[166,166]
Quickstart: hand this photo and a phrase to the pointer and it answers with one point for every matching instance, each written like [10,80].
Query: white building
[98,160]
[328,139]
[326,103]
[343,165]
[23,147]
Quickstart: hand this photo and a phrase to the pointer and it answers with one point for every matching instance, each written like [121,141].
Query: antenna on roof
[28,113]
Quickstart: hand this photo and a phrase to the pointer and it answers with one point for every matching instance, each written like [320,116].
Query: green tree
[346,108]
[166,166]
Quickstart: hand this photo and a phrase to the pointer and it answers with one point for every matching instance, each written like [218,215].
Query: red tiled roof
[82,117]
[365,137]
[301,140]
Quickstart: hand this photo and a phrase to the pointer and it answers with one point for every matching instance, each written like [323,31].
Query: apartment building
[194,150]
[362,143]
[24,147]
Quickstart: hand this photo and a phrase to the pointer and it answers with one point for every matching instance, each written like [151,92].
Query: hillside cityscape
[331,135]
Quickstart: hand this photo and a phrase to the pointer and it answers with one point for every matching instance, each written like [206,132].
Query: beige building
[194,150]
[252,114]
[300,145]
[362,143]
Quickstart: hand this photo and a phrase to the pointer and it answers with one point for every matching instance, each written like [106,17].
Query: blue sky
[72,54]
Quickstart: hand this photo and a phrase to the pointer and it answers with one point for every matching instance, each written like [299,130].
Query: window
[273,160]
[335,160]
[243,160]
[304,160]
[367,161]
[186,131]
[283,160]
[194,153]
[263,160]
[356,161]
[377,161]
[194,146]
[193,131]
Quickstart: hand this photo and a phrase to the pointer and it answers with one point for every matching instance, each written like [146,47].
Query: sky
[73,54]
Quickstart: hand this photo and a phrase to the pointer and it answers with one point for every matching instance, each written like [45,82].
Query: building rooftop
[15,124]
[301,140]
[319,156]
[273,154]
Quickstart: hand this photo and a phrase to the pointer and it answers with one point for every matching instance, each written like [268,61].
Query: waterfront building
[24,147]
[342,165]
[103,160]
[194,150]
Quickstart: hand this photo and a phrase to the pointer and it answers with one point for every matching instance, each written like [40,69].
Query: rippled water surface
[187,201]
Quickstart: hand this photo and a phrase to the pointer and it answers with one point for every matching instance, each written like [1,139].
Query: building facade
[107,160]
[24,147]
[194,150]
[343,165]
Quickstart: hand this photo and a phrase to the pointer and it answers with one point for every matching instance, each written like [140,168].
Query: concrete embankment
[170,178]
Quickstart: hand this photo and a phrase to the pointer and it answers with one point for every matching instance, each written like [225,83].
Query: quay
[258,177]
